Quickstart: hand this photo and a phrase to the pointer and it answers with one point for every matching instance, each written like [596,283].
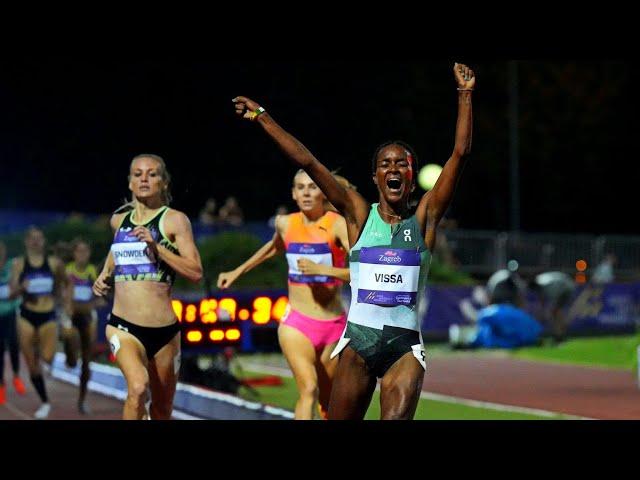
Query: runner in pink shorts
[315,243]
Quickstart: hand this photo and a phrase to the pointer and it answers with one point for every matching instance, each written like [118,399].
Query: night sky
[69,128]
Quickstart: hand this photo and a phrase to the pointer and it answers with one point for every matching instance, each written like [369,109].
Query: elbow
[434,215]
[197,275]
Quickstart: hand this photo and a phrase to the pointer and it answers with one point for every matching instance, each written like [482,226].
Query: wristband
[256,113]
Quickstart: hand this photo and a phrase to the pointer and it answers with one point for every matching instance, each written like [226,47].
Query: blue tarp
[505,326]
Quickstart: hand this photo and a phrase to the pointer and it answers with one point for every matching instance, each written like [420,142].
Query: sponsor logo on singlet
[389,256]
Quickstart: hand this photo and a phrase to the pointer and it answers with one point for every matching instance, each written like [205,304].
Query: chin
[395,197]
[146,194]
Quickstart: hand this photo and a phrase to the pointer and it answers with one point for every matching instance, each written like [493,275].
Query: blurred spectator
[63,250]
[103,222]
[506,286]
[75,217]
[498,321]
[470,306]
[281,210]
[442,251]
[207,215]
[603,273]
[554,291]
[497,326]
[231,213]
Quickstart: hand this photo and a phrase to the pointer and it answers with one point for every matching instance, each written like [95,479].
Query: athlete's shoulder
[173,215]
[175,221]
[92,270]
[283,221]
[116,219]
[289,216]
[333,216]
[55,262]
[18,263]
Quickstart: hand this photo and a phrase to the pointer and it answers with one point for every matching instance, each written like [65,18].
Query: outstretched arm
[264,253]
[435,202]
[348,202]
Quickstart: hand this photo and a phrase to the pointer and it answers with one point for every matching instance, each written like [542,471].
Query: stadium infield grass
[617,352]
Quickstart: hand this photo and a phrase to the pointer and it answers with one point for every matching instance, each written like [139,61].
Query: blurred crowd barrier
[595,309]
[482,252]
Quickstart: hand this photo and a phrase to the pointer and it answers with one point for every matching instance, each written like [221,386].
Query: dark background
[69,128]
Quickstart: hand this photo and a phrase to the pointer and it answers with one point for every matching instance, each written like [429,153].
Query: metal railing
[482,252]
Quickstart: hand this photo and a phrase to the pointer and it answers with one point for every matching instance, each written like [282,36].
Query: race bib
[388,276]
[82,293]
[40,285]
[316,252]
[131,256]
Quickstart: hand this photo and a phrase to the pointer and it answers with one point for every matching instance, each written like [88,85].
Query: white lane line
[17,412]
[73,378]
[497,406]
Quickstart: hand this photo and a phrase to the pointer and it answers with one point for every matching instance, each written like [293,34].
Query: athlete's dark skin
[354,384]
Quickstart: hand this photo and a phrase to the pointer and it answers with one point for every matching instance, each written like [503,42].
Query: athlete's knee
[309,388]
[402,411]
[137,390]
[400,407]
[400,396]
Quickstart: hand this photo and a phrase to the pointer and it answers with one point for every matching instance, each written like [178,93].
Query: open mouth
[394,184]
